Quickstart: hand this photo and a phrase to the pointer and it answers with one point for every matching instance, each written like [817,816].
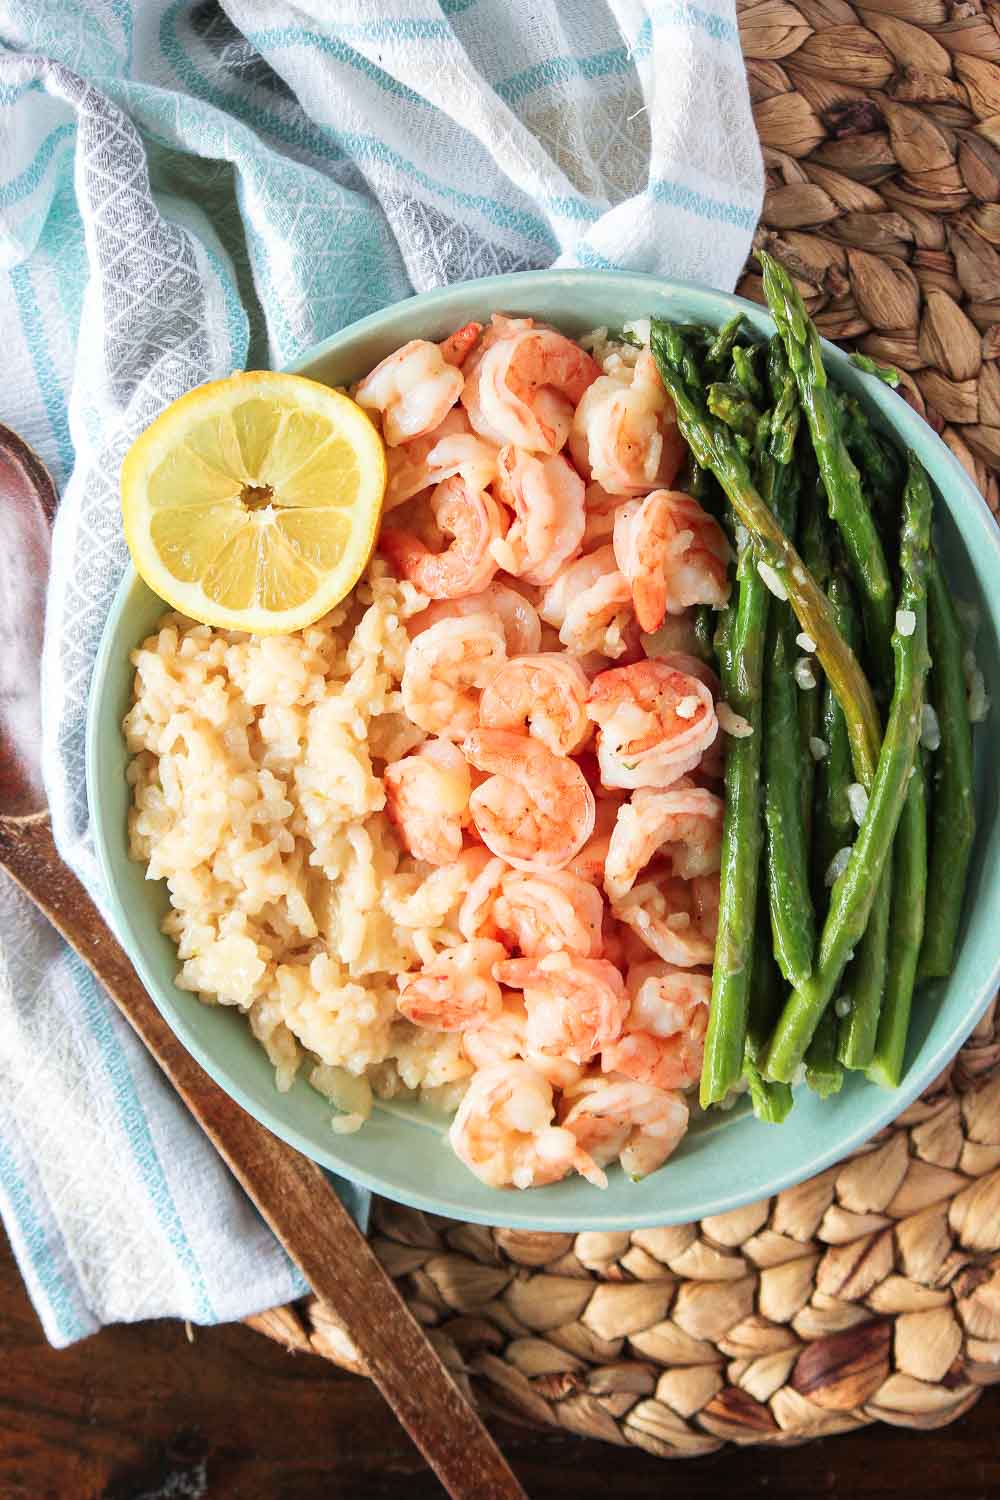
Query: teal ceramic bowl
[727,1159]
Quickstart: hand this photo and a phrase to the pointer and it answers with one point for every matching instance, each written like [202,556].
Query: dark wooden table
[141,1413]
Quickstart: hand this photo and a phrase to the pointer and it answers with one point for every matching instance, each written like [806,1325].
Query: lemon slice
[253,503]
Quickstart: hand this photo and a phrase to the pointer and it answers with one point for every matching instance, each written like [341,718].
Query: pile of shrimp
[571,762]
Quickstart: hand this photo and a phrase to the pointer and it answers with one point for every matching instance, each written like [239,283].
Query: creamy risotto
[257,797]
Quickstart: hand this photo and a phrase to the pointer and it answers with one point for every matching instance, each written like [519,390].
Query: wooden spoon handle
[290,1191]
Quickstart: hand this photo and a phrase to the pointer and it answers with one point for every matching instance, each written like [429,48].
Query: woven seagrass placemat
[872,1292]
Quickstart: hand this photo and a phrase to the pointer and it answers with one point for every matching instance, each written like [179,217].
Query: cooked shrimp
[625,431]
[474,521]
[546,694]
[673,1062]
[501,327]
[505,1039]
[600,510]
[693,666]
[457,347]
[546,495]
[686,825]
[427,798]
[664,1038]
[476,916]
[603,1136]
[446,668]
[622,947]
[451,448]
[673,554]
[517,615]
[590,603]
[456,991]
[525,387]
[535,810]
[414,389]
[576,1006]
[648,1122]
[589,863]
[711,765]
[655,724]
[550,913]
[500,1039]
[676,634]
[705,903]
[503,1131]
[674,918]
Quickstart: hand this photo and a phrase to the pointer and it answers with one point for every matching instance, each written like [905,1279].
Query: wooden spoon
[290,1191]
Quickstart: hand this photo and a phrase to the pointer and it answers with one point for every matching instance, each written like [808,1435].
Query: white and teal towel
[190,188]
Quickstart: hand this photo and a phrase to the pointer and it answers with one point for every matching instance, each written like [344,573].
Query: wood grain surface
[141,1413]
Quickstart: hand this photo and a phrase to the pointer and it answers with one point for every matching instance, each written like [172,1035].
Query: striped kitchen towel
[189,188]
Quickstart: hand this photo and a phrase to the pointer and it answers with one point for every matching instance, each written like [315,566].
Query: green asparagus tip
[782,299]
[885,373]
[721,346]
[730,404]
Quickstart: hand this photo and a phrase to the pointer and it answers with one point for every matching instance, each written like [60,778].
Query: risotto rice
[257,797]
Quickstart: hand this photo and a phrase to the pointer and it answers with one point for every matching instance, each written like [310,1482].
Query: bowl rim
[517,287]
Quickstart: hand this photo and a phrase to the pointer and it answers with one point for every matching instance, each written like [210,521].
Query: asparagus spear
[870,366]
[809,704]
[744,371]
[701,484]
[731,405]
[704,625]
[824,1070]
[714,447]
[879,463]
[834,829]
[720,349]
[779,488]
[953,824]
[737,403]
[741,665]
[740,646]
[855,889]
[766,985]
[864,983]
[790,901]
[792,921]
[866,980]
[907,923]
[816,555]
[840,476]
[824,1074]
[786,413]
[771,1101]
[863,546]
[834,824]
